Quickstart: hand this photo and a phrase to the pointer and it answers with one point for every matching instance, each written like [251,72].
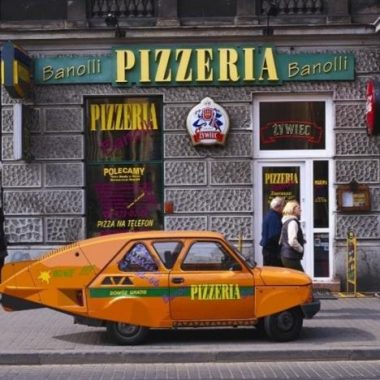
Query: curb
[108,357]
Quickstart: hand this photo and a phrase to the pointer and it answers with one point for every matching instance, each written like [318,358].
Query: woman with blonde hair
[292,240]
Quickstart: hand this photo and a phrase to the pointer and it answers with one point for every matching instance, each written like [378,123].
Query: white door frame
[303,158]
[305,203]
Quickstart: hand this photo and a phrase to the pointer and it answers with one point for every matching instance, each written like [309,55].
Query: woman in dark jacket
[292,240]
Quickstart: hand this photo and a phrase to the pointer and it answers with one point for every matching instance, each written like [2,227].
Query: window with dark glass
[124,164]
[137,259]
[206,8]
[292,125]
[321,194]
[321,254]
[19,10]
[208,256]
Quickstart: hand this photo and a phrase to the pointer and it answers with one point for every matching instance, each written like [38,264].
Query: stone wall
[210,187]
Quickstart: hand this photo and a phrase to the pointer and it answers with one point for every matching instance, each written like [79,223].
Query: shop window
[33,10]
[138,259]
[206,8]
[321,194]
[292,125]
[123,164]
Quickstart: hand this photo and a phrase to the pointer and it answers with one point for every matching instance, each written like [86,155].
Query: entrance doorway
[293,161]
[307,182]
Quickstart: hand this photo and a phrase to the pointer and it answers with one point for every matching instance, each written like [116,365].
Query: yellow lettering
[144,66]
[59,74]
[293,69]
[184,72]
[119,112]
[47,73]
[249,64]
[205,72]
[111,108]
[193,291]
[269,65]
[163,73]
[228,65]
[94,116]
[153,116]
[125,60]
[236,292]
[136,116]
[305,70]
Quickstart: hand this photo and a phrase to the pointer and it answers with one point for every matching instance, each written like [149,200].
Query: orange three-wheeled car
[131,282]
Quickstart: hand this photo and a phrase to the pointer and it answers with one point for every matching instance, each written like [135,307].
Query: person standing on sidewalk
[292,240]
[3,242]
[271,231]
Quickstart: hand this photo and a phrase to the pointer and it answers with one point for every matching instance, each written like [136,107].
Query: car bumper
[310,309]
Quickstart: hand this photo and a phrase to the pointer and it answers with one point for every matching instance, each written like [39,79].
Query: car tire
[126,334]
[284,326]
[260,328]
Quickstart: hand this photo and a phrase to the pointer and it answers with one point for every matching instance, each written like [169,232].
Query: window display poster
[282,182]
[124,129]
[123,197]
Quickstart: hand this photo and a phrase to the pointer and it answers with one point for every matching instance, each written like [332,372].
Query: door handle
[178,280]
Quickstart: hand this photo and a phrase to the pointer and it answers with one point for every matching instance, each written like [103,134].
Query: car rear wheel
[126,334]
[284,326]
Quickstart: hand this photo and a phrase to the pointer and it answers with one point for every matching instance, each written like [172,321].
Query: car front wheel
[126,334]
[284,326]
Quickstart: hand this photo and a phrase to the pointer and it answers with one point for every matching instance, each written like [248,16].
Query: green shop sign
[194,65]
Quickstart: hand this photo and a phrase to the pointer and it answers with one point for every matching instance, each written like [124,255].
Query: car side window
[209,256]
[137,259]
[168,251]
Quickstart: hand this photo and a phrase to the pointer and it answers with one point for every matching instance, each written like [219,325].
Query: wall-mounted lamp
[112,21]
[272,10]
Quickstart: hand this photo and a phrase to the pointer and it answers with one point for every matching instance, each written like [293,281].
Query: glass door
[308,183]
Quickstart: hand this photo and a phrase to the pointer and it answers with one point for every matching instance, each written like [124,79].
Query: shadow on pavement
[312,335]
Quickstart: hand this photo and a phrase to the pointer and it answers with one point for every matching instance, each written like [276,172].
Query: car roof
[157,234]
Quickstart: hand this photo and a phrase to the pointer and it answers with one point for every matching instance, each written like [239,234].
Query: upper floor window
[206,8]
[12,10]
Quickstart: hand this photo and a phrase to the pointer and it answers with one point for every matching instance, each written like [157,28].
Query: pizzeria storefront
[197,137]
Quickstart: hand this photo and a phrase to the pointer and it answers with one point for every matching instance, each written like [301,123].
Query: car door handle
[178,280]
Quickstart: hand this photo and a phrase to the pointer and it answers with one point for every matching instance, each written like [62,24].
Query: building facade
[159,115]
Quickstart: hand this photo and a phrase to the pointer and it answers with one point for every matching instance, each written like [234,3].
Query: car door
[209,283]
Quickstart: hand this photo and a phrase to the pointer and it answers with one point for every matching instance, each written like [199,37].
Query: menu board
[124,165]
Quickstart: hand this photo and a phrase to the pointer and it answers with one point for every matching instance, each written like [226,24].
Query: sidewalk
[345,329]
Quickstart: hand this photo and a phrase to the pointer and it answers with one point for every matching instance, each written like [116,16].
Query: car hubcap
[126,329]
[285,321]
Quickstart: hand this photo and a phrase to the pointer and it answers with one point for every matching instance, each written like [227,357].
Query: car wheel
[284,326]
[126,334]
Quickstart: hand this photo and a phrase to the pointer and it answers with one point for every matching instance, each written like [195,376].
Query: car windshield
[247,260]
